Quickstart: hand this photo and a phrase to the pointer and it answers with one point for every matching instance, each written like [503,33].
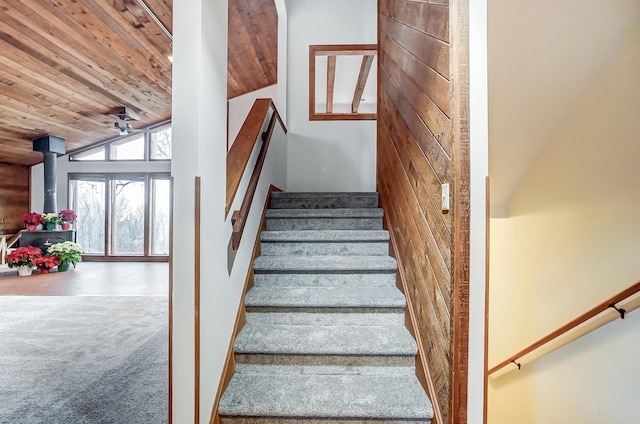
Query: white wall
[240,106]
[572,241]
[327,155]
[199,137]
[479,163]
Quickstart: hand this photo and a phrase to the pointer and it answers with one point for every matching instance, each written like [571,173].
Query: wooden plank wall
[418,150]
[14,197]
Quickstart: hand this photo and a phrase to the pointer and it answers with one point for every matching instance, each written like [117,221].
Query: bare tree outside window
[160,144]
[88,198]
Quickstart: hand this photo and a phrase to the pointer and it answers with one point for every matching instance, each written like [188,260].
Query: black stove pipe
[50,146]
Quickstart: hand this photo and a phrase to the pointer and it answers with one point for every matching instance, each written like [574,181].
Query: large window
[88,195]
[121,215]
[149,145]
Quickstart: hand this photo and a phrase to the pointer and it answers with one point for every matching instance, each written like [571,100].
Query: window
[150,145]
[93,154]
[160,145]
[127,216]
[87,195]
[128,149]
[121,215]
[160,206]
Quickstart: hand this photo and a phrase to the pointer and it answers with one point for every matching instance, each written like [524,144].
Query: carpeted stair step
[308,318]
[324,219]
[323,200]
[337,299]
[325,279]
[329,264]
[259,395]
[324,242]
[322,344]
[325,340]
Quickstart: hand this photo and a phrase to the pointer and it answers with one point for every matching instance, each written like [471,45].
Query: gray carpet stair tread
[311,318]
[324,370]
[325,236]
[321,194]
[325,213]
[325,297]
[329,263]
[326,396]
[390,340]
[325,279]
[302,200]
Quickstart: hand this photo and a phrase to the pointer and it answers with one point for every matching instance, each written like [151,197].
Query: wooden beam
[331,79]
[365,68]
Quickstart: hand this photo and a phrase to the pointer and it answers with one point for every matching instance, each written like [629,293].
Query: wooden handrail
[240,152]
[239,217]
[590,314]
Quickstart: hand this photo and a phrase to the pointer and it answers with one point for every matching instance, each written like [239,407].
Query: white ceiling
[544,55]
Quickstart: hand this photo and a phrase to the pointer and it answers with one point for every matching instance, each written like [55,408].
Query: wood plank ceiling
[65,66]
[253,46]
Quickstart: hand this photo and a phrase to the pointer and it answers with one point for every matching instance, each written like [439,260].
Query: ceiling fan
[124,115]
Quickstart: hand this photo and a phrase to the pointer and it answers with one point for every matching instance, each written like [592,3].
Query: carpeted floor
[85,359]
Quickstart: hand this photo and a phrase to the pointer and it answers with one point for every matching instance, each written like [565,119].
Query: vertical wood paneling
[421,100]
[14,197]
[461,208]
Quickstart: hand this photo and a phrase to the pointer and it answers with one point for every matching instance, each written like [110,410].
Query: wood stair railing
[612,308]
[238,159]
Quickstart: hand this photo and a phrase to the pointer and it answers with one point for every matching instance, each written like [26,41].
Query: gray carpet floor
[83,359]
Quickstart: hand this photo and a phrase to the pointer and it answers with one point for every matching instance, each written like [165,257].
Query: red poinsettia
[68,215]
[23,256]
[33,218]
[45,262]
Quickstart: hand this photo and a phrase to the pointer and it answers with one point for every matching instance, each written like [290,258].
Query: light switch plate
[445,197]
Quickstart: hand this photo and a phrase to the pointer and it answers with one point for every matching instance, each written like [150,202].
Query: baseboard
[230,364]
[422,368]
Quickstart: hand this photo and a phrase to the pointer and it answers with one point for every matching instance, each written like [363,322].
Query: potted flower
[50,220]
[32,220]
[45,263]
[22,258]
[68,217]
[67,252]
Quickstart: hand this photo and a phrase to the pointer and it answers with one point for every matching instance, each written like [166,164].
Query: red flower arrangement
[45,263]
[23,256]
[33,218]
[68,215]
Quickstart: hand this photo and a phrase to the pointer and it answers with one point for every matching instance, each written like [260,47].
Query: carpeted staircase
[325,340]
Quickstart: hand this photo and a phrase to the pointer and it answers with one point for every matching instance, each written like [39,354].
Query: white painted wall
[479,162]
[199,136]
[327,155]
[570,242]
[240,106]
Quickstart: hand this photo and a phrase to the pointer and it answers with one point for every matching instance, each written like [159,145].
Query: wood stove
[45,238]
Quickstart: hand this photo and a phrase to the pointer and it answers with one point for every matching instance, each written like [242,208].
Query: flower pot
[31,227]
[44,271]
[24,270]
[66,225]
[64,267]
[49,226]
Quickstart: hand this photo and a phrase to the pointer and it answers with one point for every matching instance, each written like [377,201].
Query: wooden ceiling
[66,66]
[253,46]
